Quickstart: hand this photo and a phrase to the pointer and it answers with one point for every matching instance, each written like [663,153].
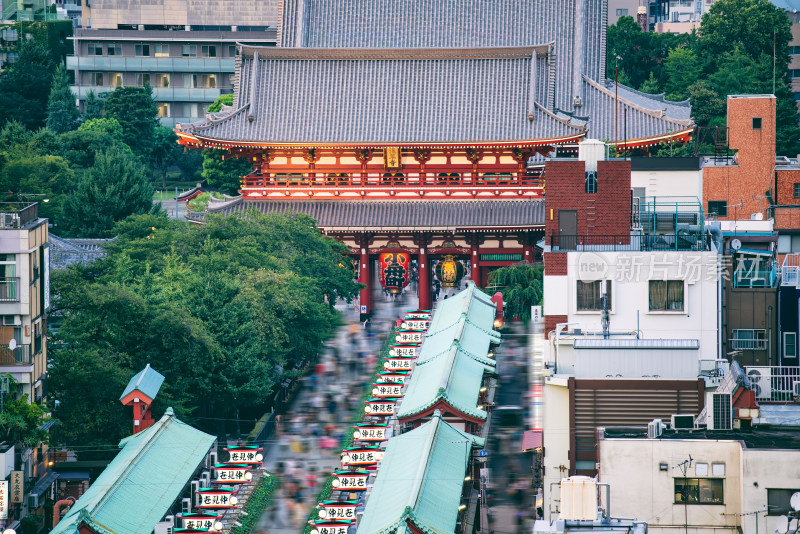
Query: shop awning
[531,439]
[44,483]
[754,252]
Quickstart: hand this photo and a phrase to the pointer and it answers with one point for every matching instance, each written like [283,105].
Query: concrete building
[622,8]
[631,304]
[185,50]
[24,298]
[677,16]
[707,481]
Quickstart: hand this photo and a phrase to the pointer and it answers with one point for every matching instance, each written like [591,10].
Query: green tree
[708,108]
[115,187]
[683,70]
[166,152]
[136,112]
[521,286]
[110,127]
[651,85]
[225,311]
[62,114]
[25,85]
[49,178]
[224,174]
[93,105]
[221,100]
[20,421]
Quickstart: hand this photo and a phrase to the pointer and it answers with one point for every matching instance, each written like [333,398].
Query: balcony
[194,65]
[15,215]
[160,94]
[738,343]
[9,289]
[756,278]
[774,383]
[19,355]
[790,270]
[629,242]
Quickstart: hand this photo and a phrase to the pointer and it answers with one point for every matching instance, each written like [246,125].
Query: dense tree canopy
[731,53]
[136,112]
[25,85]
[225,311]
[521,285]
[62,113]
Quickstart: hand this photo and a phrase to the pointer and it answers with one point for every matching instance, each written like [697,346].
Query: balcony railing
[747,343]
[628,242]
[790,270]
[373,180]
[774,383]
[17,214]
[9,289]
[746,278]
[19,355]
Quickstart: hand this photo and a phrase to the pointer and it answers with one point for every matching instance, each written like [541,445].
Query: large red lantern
[395,270]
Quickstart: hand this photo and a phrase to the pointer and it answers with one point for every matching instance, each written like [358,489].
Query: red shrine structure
[419,129]
[140,393]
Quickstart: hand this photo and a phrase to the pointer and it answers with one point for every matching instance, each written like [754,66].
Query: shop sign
[245,455]
[387,390]
[17,487]
[379,407]
[403,350]
[370,433]
[345,481]
[398,364]
[232,473]
[408,336]
[339,511]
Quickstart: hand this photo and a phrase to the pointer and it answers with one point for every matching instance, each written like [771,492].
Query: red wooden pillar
[364,272]
[527,255]
[424,280]
[474,272]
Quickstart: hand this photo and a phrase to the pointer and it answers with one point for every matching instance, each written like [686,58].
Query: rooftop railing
[629,242]
[17,214]
[774,383]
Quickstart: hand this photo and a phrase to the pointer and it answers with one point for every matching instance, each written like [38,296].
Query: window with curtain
[666,295]
[699,491]
[589,295]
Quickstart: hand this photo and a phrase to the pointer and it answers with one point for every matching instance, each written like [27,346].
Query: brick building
[737,188]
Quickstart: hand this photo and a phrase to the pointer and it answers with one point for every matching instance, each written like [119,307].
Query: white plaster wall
[669,183]
[640,489]
[555,438]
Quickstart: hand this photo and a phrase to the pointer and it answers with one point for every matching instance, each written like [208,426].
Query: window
[747,339]
[232,50]
[794,50]
[796,190]
[95,49]
[717,208]
[589,295]
[756,123]
[115,79]
[203,81]
[778,501]
[97,78]
[666,295]
[142,50]
[622,12]
[790,344]
[209,50]
[698,491]
[142,79]
[189,50]
[163,109]
[590,182]
[114,50]
[162,80]
[161,50]
[196,110]
[8,278]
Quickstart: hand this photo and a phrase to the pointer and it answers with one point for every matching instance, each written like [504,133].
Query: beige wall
[663,183]
[555,439]
[763,470]
[614,5]
[640,489]
[107,14]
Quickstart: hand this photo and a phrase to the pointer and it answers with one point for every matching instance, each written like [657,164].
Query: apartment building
[24,298]
[184,49]
[677,16]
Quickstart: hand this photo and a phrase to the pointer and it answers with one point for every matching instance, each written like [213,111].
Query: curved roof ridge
[566,122]
[660,114]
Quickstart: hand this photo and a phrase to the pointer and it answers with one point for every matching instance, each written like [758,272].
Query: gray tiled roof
[66,252]
[391,214]
[360,72]
[456,24]
[352,96]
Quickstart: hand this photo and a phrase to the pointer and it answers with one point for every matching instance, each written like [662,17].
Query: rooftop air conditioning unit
[186,506]
[655,428]
[195,495]
[760,381]
[720,412]
[682,421]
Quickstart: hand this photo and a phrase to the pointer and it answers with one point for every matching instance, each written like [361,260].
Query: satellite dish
[794,501]
[12,345]
[736,244]
[782,524]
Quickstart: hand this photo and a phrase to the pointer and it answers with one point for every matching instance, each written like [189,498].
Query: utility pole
[683,466]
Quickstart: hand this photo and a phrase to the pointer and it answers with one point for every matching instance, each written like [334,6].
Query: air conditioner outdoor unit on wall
[796,388]
[760,381]
[682,421]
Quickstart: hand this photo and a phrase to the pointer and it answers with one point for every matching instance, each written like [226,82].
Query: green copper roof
[139,486]
[420,480]
[148,381]
[453,377]
[472,340]
[471,303]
